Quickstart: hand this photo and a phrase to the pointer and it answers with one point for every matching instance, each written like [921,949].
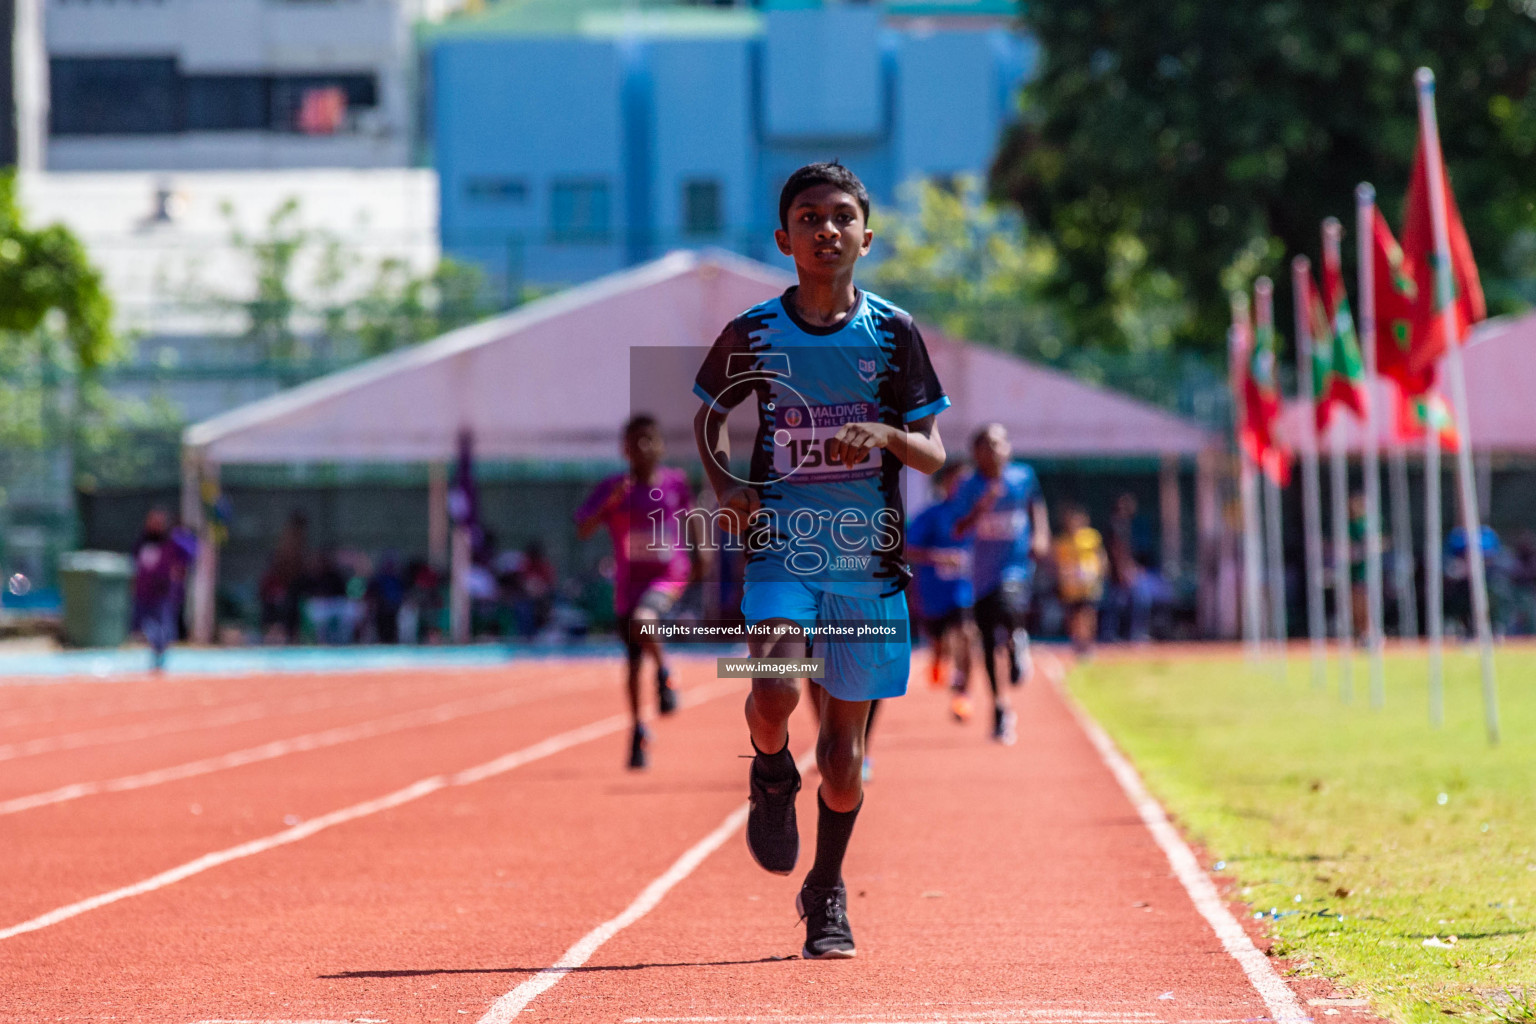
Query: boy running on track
[651,572]
[845,396]
[942,564]
[1003,509]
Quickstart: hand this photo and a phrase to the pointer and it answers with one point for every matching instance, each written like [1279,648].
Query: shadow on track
[429,971]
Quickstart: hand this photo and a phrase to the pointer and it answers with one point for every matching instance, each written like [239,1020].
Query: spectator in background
[386,595]
[1128,602]
[282,585]
[328,606]
[421,611]
[1080,565]
[1522,579]
[1458,576]
[160,560]
[536,582]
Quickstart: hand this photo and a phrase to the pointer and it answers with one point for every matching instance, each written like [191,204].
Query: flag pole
[1264,319]
[1403,568]
[1338,500]
[1434,166]
[1434,576]
[1375,627]
[1311,484]
[1248,492]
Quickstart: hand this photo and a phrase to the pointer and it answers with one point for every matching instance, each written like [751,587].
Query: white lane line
[279,748]
[926,1013]
[415,791]
[234,715]
[1261,973]
[507,1008]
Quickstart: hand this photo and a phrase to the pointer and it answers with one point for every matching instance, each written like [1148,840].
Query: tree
[313,299]
[55,331]
[966,265]
[1216,134]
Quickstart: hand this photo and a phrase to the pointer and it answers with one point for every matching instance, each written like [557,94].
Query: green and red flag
[1466,298]
[1342,381]
[1261,403]
[1397,311]
[1416,415]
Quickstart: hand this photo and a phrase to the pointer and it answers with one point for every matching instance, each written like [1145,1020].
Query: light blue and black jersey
[839,527]
[1000,551]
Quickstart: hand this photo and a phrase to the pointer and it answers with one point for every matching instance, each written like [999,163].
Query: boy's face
[826,234]
[644,449]
[992,451]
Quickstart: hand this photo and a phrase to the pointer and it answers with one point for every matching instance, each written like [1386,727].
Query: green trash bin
[95,588]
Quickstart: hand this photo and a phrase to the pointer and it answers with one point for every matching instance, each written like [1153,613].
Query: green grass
[1368,832]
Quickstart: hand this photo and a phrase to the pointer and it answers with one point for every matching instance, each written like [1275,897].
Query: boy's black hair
[811,175]
[639,423]
[982,431]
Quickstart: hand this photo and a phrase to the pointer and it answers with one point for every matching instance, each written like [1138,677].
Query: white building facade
[228,84]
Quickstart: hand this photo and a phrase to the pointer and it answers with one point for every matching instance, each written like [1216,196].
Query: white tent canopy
[552,380]
[555,379]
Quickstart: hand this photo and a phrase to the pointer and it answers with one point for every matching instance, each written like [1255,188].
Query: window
[227,103]
[701,207]
[496,190]
[150,95]
[578,210]
[114,96]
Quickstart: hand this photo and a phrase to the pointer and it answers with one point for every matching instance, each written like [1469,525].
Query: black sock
[774,767]
[832,831]
[988,653]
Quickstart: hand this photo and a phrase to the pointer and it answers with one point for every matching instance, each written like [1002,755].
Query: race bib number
[800,437]
[1001,525]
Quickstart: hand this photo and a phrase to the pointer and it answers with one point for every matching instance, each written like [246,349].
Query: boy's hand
[951,559]
[854,441]
[739,505]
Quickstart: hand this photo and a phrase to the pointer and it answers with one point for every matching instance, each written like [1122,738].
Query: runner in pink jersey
[642,510]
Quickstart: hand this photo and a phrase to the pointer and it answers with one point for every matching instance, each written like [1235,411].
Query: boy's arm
[714,443]
[1042,528]
[983,504]
[589,522]
[917,445]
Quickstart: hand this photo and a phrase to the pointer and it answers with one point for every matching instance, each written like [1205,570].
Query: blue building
[575,137]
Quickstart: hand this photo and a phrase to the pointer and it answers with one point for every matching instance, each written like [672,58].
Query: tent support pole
[196,474]
[458,587]
[437,513]
[1169,502]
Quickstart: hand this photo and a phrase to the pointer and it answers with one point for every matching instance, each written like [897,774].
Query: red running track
[986,884]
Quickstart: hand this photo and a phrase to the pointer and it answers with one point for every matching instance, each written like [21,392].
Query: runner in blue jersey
[845,396]
[1004,513]
[942,575]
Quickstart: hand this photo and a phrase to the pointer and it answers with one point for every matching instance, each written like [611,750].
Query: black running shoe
[639,747]
[666,697]
[773,835]
[825,913]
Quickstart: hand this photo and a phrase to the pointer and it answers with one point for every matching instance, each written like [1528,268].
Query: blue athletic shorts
[855,669]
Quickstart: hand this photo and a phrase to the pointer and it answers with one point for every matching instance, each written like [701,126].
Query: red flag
[1397,305]
[1259,393]
[1419,246]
